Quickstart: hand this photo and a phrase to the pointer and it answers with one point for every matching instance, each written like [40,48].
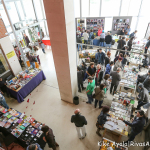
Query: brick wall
[2,28]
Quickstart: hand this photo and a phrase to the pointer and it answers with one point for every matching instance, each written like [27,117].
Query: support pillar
[61,25]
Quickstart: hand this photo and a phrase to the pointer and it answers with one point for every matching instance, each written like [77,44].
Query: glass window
[108,24]
[110,7]
[39,9]
[85,8]
[124,7]
[12,12]
[20,10]
[3,14]
[94,8]
[3,64]
[28,6]
[133,24]
[145,8]
[77,8]
[134,7]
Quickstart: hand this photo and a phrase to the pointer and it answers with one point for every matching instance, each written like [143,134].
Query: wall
[2,28]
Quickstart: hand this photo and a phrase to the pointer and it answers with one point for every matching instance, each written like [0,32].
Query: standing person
[31,59]
[102,39]
[80,76]
[143,96]
[79,40]
[86,36]
[18,55]
[137,125]
[100,56]
[122,32]
[124,61]
[91,37]
[118,64]
[99,95]
[126,49]
[130,42]
[3,87]
[27,41]
[35,146]
[80,123]
[3,101]
[107,58]
[102,118]
[128,29]
[133,34]
[97,75]
[91,70]
[146,82]
[106,82]
[108,40]
[147,45]
[43,47]
[90,89]
[121,44]
[120,56]
[108,67]
[49,137]
[100,31]
[115,80]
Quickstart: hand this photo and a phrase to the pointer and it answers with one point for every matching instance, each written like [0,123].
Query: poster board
[147,34]
[119,23]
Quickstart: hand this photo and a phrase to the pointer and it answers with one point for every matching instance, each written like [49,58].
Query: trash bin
[76,100]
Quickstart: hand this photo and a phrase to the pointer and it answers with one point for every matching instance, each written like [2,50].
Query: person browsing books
[35,146]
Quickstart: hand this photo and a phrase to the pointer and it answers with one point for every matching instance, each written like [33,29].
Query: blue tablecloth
[96,42]
[28,88]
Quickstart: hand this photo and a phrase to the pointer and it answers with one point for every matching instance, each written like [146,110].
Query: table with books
[107,144]
[25,128]
[24,83]
[118,110]
[87,53]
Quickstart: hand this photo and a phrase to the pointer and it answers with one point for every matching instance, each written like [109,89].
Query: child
[124,61]
[102,119]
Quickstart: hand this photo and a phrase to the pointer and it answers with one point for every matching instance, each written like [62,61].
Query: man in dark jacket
[121,44]
[142,78]
[115,80]
[80,76]
[108,40]
[143,96]
[100,57]
[146,82]
[147,45]
[91,70]
[80,123]
[136,125]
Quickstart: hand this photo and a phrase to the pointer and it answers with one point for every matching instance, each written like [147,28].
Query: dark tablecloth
[28,88]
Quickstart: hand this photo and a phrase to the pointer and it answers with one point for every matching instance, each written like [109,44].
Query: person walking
[43,47]
[102,39]
[136,125]
[49,137]
[31,59]
[91,70]
[86,36]
[99,95]
[100,57]
[102,118]
[35,146]
[108,40]
[118,64]
[121,44]
[143,96]
[80,123]
[90,89]
[3,101]
[116,78]
[108,67]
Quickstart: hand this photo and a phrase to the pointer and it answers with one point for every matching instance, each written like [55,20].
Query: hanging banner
[10,54]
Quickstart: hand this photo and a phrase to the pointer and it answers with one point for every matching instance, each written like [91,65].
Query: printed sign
[10,54]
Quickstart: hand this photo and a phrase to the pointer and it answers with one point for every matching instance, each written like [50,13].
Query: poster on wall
[94,24]
[147,34]
[80,25]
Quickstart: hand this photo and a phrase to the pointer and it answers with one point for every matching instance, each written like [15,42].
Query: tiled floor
[49,109]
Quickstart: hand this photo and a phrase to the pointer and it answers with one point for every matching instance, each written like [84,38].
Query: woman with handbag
[99,95]
[102,118]
[32,59]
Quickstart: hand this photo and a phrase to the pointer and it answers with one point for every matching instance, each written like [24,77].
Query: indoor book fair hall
[74,75]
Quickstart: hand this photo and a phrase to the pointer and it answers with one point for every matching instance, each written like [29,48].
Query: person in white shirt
[86,36]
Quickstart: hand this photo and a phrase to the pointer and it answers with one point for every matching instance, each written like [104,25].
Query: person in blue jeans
[102,39]
[3,101]
[108,40]
[90,89]
[99,95]
[31,59]
[35,146]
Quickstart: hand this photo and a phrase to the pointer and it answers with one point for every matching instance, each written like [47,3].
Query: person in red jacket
[100,31]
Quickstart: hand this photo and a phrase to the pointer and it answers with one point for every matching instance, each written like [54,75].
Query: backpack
[92,37]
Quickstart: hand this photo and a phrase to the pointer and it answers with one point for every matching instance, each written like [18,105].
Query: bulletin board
[147,34]
[119,23]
